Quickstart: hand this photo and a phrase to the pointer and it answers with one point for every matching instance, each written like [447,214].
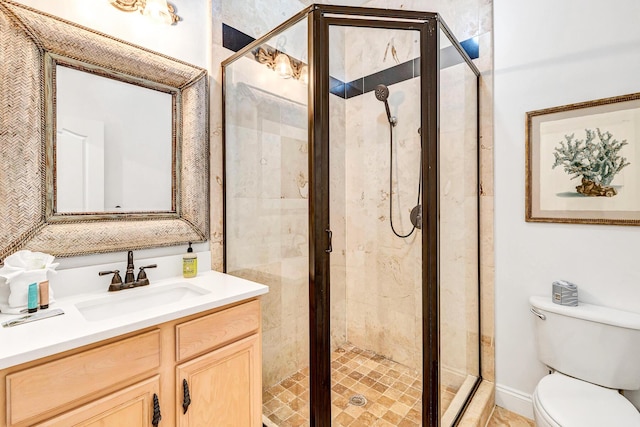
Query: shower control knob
[416,217]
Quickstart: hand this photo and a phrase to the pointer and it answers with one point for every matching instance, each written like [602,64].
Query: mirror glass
[113,147]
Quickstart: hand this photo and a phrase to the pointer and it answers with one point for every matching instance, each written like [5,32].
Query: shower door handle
[330,248]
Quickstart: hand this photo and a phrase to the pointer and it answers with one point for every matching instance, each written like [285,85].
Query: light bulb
[304,74]
[283,66]
[158,10]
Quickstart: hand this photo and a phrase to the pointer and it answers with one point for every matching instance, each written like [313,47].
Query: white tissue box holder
[19,286]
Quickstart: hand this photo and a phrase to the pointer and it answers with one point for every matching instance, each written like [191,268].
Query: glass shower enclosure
[351,190]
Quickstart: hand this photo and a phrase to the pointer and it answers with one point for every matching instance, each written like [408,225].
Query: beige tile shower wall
[487,261]
[458,226]
[471,18]
[337,212]
[337,192]
[370,50]
[383,271]
[267,206]
[256,18]
[465,18]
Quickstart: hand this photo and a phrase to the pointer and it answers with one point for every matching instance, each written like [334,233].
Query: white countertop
[31,341]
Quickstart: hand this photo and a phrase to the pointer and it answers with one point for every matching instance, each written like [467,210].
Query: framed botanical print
[583,162]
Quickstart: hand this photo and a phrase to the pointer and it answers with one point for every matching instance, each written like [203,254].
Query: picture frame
[583,162]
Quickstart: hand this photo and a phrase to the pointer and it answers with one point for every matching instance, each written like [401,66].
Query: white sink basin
[132,300]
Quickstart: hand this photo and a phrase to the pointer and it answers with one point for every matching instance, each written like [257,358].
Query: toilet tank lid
[594,313]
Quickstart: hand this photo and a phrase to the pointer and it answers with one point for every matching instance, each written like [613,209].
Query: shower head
[382,93]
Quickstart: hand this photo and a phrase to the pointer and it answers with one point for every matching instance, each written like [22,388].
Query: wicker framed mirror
[32,43]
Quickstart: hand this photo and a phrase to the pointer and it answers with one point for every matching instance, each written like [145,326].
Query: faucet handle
[116,280]
[142,275]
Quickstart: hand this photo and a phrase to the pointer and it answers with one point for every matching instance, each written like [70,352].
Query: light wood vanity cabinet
[214,356]
[218,384]
[224,385]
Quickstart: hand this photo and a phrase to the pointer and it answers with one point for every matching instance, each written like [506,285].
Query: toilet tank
[597,344]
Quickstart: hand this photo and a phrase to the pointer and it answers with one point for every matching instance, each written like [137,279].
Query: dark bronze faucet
[129,281]
[128,277]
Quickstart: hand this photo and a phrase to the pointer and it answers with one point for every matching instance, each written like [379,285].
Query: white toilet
[594,352]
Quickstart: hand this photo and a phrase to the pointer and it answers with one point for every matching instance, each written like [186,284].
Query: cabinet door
[34,394]
[224,387]
[131,407]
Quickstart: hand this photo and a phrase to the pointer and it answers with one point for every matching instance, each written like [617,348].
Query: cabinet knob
[156,411]
[186,399]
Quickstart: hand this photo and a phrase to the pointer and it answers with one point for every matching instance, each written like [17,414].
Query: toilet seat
[562,401]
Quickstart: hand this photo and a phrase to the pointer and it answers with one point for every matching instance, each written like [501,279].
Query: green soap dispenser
[189,263]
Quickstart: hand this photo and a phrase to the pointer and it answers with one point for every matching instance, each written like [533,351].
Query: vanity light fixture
[283,64]
[158,10]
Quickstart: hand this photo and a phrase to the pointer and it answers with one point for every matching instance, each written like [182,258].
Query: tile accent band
[235,40]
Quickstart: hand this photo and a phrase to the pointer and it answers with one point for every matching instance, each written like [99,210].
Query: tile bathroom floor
[392,392]
[503,418]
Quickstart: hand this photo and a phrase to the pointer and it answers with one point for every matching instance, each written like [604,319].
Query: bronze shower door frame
[321,18]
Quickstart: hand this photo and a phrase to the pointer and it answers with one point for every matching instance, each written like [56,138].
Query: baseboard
[514,400]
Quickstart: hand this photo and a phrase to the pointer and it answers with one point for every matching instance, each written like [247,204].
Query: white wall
[550,53]
[188,41]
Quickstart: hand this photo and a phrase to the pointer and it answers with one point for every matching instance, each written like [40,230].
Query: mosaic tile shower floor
[392,392]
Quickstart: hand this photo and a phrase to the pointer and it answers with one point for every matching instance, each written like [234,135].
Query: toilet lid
[573,403]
